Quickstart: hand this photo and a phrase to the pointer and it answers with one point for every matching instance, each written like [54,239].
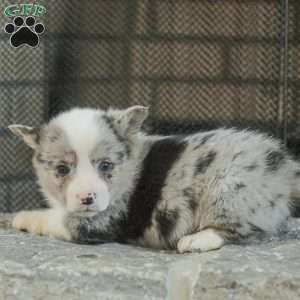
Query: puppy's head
[81,156]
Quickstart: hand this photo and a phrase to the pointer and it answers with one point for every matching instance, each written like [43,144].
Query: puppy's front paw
[30,221]
[45,222]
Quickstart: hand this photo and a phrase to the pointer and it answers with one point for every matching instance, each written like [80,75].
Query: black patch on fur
[297,173]
[204,162]
[147,193]
[117,226]
[90,230]
[274,159]
[166,221]
[237,225]
[204,140]
[294,206]
[255,228]
[85,231]
[239,186]
[192,201]
[110,121]
[272,203]
[251,167]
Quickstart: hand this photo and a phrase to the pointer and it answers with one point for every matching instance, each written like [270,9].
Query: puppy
[105,180]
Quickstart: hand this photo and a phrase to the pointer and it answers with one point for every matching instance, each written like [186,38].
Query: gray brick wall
[216,56]
[196,63]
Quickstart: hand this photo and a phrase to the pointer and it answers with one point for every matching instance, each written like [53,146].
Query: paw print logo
[24,31]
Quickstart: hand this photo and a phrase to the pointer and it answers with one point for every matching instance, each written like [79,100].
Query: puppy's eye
[63,170]
[105,166]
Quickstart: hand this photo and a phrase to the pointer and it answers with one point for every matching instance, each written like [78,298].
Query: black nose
[87,201]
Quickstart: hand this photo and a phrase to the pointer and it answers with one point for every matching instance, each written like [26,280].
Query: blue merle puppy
[105,180]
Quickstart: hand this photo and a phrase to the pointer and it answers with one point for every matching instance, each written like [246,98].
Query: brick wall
[206,62]
[217,61]
[196,63]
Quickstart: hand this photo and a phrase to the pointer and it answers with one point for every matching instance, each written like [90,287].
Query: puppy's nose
[87,198]
[87,201]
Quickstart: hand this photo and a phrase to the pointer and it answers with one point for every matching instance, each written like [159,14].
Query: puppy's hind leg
[205,240]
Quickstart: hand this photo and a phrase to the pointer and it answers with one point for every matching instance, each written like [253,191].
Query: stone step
[34,267]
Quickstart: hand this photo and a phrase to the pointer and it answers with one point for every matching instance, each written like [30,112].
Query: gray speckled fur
[229,194]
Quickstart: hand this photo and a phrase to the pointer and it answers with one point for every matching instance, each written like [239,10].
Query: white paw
[184,244]
[27,220]
[47,222]
[202,241]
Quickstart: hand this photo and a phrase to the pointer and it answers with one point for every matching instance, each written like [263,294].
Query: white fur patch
[80,126]
[83,129]
[203,241]
[48,222]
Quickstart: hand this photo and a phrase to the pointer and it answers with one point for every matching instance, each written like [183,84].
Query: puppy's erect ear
[30,135]
[134,118]
[129,122]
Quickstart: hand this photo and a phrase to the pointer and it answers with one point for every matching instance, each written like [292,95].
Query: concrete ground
[34,267]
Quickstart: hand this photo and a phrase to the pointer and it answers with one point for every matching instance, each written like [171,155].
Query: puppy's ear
[29,135]
[129,121]
[134,118]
